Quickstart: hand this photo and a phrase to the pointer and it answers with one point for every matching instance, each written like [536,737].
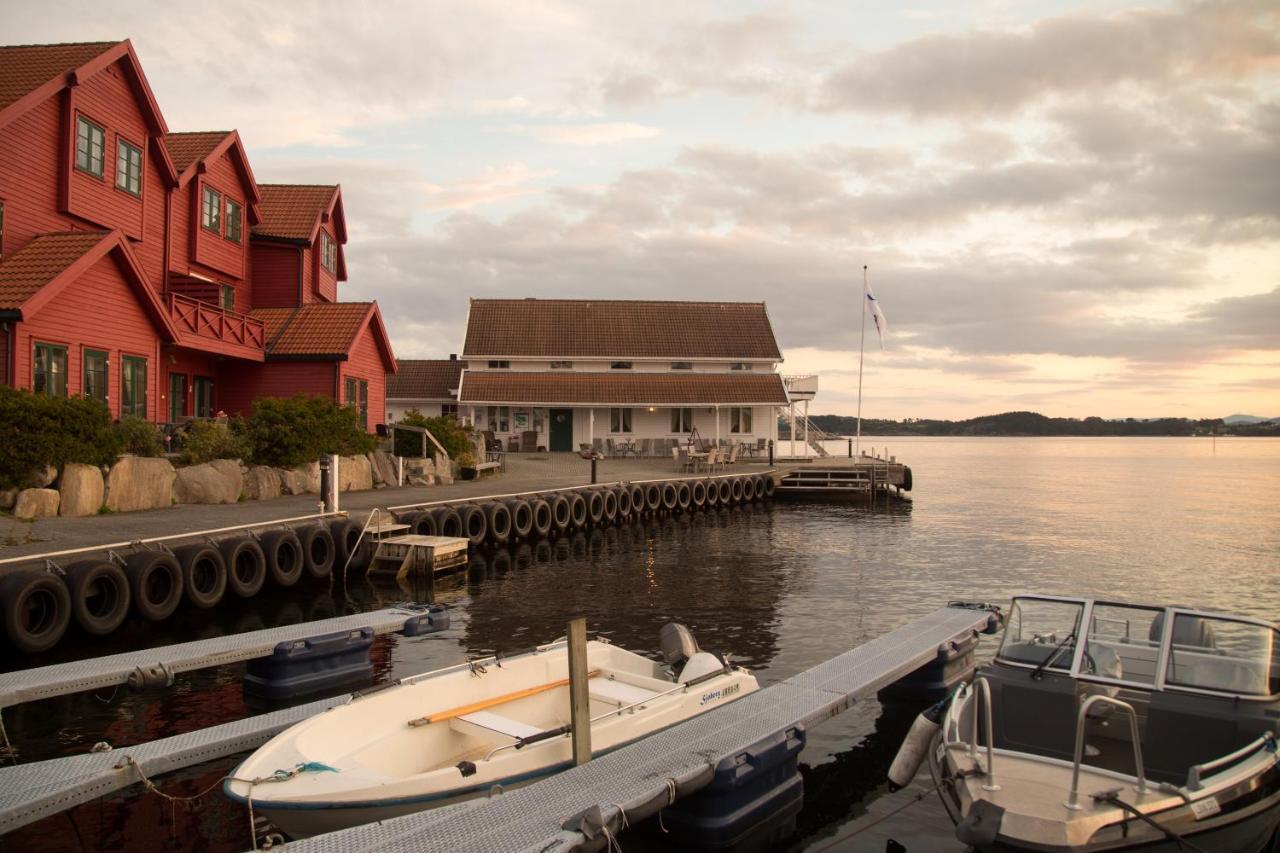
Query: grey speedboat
[1109,726]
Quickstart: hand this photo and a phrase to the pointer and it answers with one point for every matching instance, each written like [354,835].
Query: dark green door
[177,397]
[561,429]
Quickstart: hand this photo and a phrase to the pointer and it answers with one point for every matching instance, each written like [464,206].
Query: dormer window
[328,253]
[211,210]
[235,221]
[620,365]
[499,365]
[90,141]
[682,365]
[740,365]
[128,167]
[562,365]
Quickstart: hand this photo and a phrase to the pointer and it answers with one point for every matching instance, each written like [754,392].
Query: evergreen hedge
[36,430]
[288,432]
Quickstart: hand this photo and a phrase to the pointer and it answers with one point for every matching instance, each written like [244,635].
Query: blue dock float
[583,806]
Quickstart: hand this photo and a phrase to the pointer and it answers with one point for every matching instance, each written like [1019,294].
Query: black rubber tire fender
[561,512]
[499,520]
[540,511]
[595,505]
[204,574]
[906,478]
[625,507]
[748,488]
[770,485]
[610,498]
[577,509]
[247,564]
[521,517]
[100,595]
[684,495]
[448,522]
[475,526]
[37,610]
[670,496]
[637,500]
[318,552]
[698,494]
[713,493]
[346,535]
[424,524]
[726,491]
[652,497]
[285,562]
[155,580]
[736,485]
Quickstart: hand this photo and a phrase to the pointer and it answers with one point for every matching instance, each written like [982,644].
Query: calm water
[779,588]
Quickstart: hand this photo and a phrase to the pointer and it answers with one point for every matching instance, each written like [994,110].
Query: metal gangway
[636,781]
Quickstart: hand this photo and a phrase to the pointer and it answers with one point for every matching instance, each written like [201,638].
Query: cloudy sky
[1069,207]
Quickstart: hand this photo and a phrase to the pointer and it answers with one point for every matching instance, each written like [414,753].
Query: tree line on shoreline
[1035,424]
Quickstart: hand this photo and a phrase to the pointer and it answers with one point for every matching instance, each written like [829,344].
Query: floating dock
[636,781]
[861,477]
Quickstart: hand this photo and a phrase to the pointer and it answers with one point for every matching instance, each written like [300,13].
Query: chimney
[453,356]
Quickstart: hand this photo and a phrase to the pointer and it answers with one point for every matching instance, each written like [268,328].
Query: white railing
[801,384]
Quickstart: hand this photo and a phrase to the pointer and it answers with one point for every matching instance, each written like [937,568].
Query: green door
[177,397]
[561,430]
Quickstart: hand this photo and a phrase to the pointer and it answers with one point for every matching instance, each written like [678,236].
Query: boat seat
[618,692]
[492,722]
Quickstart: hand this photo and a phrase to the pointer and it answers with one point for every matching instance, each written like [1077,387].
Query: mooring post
[771,453]
[579,696]
[328,494]
[593,469]
[851,448]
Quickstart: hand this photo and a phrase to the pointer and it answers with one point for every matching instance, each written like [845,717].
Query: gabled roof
[189,151]
[322,331]
[619,329]
[425,379]
[294,211]
[566,387]
[32,276]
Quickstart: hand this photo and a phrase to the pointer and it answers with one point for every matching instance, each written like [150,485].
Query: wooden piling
[579,697]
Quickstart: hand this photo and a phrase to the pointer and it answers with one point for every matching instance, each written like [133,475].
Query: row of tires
[99,594]
[499,522]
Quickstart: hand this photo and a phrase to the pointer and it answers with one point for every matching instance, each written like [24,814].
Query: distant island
[1033,423]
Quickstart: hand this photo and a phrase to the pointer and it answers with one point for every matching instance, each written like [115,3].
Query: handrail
[985,696]
[1193,775]
[1073,798]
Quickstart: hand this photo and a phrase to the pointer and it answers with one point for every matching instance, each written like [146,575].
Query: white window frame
[740,417]
[681,416]
[620,421]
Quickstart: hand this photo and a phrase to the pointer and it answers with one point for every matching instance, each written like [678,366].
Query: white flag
[877,316]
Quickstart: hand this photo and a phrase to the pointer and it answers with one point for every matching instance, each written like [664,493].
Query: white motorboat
[470,730]
[1109,726]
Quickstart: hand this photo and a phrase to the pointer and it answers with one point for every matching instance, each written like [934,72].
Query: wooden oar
[496,700]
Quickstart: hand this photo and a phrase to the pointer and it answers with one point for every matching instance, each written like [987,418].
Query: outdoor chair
[491,443]
[713,456]
[762,445]
[529,441]
[684,462]
[733,453]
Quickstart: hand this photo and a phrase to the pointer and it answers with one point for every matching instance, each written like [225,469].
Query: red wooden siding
[275,275]
[365,362]
[29,174]
[119,326]
[239,383]
[156,195]
[326,283]
[180,220]
[107,101]
[211,249]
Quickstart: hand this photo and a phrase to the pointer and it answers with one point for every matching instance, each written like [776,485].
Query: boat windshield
[1223,656]
[1042,633]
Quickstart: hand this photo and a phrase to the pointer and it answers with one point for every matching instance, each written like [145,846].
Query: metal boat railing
[1267,741]
[1081,718]
[985,697]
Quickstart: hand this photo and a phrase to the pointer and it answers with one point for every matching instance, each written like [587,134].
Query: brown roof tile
[316,329]
[24,272]
[290,211]
[425,379]
[187,148]
[629,389]
[27,67]
[590,328]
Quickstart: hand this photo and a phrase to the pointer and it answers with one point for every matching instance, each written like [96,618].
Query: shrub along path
[525,472]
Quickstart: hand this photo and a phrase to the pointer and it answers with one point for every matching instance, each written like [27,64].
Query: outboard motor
[677,645]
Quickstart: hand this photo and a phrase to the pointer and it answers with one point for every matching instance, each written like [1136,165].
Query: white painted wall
[397,408]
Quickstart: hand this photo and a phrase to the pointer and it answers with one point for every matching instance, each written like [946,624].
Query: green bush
[300,429]
[204,441]
[454,437]
[138,436]
[36,430]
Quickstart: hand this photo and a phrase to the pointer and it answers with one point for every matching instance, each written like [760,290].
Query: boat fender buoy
[915,746]
[981,825]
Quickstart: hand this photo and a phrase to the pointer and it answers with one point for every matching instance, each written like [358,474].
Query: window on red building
[49,370]
[228,298]
[129,167]
[90,141]
[95,375]
[133,386]
[211,210]
[235,217]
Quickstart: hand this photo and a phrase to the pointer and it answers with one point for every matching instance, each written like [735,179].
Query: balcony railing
[805,384]
[209,323]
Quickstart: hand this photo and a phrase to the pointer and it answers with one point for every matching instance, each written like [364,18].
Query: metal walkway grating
[27,685]
[635,778]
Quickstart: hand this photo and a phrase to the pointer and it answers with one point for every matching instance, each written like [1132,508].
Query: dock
[636,781]
[835,477]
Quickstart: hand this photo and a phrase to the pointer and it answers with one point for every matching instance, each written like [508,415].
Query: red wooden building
[150,269]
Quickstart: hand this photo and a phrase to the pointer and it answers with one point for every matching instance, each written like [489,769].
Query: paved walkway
[529,472]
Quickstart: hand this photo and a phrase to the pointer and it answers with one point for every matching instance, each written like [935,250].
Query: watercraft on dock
[468,730]
[1107,726]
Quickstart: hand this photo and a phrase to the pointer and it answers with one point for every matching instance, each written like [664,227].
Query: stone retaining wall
[136,483]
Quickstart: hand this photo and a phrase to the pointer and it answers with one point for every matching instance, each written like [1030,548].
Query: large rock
[384,468]
[82,489]
[262,483]
[137,483]
[216,482]
[8,497]
[36,503]
[42,478]
[419,472]
[303,480]
[355,474]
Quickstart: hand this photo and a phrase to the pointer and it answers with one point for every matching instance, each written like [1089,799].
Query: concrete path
[528,472]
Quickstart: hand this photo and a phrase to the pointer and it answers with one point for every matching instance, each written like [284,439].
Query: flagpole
[862,341]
